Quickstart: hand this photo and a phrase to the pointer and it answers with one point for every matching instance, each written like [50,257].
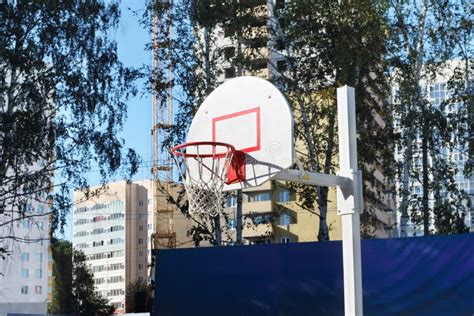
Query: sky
[131,40]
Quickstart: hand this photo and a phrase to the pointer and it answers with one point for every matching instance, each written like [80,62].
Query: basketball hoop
[214,164]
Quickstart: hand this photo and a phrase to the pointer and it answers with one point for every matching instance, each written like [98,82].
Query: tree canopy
[73,284]
[63,95]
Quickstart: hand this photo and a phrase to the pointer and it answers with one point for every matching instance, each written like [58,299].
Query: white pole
[349,202]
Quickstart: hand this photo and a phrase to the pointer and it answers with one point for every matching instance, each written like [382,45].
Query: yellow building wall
[306,227]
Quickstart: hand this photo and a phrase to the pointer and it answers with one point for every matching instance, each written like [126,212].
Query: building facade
[26,268]
[111,229]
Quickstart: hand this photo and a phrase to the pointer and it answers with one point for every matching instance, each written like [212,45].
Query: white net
[206,165]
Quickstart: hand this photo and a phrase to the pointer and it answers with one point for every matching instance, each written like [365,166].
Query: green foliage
[62,300]
[62,103]
[138,290]
[321,43]
[329,44]
[429,43]
[73,284]
[85,300]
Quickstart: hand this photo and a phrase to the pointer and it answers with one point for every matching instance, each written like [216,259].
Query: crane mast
[164,235]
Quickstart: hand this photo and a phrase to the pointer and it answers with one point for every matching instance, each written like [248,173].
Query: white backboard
[251,114]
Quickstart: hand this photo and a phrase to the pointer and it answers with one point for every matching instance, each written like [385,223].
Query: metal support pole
[238,218]
[350,202]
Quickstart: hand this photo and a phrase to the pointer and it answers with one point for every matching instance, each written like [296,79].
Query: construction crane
[164,235]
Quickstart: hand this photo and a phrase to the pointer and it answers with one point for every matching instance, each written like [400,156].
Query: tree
[85,300]
[62,105]
[62,300]
[425,37]
[73,283]
[321,46]
[138,297]
[196,63]
[326,45]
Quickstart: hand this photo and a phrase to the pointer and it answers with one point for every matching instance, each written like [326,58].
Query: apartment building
[111,228]
[269,214]
[26,270]
[181,223]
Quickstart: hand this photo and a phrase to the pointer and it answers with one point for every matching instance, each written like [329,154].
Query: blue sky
[131,39]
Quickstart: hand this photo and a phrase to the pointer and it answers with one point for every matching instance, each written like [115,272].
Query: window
[98,268]
[229,52]
[264,196]
[284,196]
[115,292]
[38,289]
[24,273]
[231,224]
[81,221]
[285,219]
[39,273]
[231,201]
[41,209]
[140,228]
[116,216]
[262,219]
[285,240]
[140,266]
[228,31]
[280,4]
[40,224]
[229,73]
[140,203]
[99,218]
[115,254]
[115,279]
[257,42]
[116,228]
[25,256]
[97,243]
[114,241]
[97,231]
[82,245]
[140,253]
[115,266]
[24,289]
[80,234]
[25,223]
[99,281]
[141,216]
[279,44]
[140,241]
[281,66]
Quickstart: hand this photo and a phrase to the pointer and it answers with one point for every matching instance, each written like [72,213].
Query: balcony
[257,207]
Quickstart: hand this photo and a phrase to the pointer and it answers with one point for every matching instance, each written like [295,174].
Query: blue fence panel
[404,276]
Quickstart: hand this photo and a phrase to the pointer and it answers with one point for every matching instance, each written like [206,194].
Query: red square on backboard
[228,117]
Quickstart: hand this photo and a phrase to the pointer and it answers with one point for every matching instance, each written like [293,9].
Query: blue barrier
[404,276]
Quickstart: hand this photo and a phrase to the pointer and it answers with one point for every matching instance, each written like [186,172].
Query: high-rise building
[111,229]
[181,223]
[25,270]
